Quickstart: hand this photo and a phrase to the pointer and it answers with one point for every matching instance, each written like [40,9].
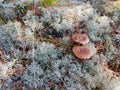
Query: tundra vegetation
[59,44]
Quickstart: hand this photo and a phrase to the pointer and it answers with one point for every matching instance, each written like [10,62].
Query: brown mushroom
[1,54]
[80,38]
[82,52]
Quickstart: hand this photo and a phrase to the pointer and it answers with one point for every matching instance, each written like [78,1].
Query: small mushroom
[80,38]
[82,52]
[1,54]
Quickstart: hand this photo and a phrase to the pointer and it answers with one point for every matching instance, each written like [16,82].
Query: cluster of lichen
[41,42]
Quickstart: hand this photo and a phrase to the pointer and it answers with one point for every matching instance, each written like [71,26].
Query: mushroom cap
[1,53]
[82,52]
[80,38]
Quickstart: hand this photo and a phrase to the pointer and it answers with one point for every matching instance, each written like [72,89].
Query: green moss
[48,3]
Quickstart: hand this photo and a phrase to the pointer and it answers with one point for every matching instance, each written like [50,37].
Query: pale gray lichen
[49,62]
